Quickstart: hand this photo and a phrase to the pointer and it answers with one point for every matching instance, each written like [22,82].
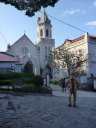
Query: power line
[64,22]
[4,38]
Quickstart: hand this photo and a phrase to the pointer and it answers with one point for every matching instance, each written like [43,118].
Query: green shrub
[56,82]
[28,82]
[66,77]
[5,82]
[28,67]
[10,75]
[37,80]
[26,85]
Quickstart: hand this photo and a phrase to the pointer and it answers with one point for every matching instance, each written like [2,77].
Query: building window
[47,33]
[41,32]
[24,51]
[38,48]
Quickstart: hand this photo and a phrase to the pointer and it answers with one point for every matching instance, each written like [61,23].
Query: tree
[52,66]
[30,6]
[69,60]
[28,67]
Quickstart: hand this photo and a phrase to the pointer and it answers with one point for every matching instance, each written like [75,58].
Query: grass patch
[56,82]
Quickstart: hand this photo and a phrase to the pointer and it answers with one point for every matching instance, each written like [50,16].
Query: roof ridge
[7,54]
[21,38]
[71,40]
[92,36]
[78,38]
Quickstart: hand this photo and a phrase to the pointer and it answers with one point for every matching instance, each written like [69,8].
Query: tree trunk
[68,70]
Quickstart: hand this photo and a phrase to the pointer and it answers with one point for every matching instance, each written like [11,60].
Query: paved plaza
[47,111]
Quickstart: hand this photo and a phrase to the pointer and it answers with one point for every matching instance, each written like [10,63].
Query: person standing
[63,84]
[73,84]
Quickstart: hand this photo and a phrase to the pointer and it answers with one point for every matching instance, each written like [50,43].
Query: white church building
[24,49]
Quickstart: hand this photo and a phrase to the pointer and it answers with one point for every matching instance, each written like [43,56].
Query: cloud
[94,3]
[91,23]
[71,11]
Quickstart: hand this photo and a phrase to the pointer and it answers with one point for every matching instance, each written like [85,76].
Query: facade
[9,62]
[24,49]
[87,44]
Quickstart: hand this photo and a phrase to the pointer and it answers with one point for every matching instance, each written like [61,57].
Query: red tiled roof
[79,38]
[92,36]
[71,41]
[4,57]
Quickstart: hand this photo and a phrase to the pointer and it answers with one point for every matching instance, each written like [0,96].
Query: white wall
[76,46]
[45,43]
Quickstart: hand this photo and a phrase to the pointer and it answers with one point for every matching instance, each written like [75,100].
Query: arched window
[24,51]
[41,32]
[47,33]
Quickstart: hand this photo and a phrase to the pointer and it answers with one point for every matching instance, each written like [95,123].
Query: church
[24,49]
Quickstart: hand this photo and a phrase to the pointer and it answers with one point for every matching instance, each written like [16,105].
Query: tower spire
[44,26]
[43,18]
[43,11]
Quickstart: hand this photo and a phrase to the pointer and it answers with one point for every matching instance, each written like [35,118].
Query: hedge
[10,75]
[31,86]
[37,80]
[5,82]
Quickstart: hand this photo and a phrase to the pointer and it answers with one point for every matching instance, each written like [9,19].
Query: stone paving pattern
[46,111]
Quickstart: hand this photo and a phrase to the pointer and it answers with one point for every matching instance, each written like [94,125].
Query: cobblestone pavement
[46,111]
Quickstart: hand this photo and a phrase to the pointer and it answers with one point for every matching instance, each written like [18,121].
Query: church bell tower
[44,42]
[44,27]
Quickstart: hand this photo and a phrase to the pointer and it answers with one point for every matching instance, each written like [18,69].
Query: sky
[79,13]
